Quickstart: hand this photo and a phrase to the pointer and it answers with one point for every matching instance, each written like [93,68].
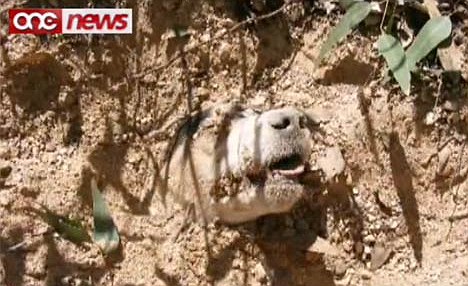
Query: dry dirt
[74,107]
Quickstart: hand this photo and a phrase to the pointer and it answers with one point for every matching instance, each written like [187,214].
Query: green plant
[105,233]
[400,62]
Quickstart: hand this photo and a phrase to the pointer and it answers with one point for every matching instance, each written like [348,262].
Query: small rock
[379,256]
[366,274]
[450,105]
[322,246]
[430,119]
[402,267]
[5,152]
[367,250]
[393,224]
[5,172]
[203,93]
[260,273]
[225,53]
[319,115]
[5,201]
[332,163]
[348,246]
[371,218]
[369,239]
[444,155]
[340,268]
[258,101]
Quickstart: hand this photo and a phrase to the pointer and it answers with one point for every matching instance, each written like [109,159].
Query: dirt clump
[392,192]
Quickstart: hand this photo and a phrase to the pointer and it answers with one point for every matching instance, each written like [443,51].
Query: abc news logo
[70,21]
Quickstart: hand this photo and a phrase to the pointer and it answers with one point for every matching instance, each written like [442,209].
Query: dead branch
[458,216]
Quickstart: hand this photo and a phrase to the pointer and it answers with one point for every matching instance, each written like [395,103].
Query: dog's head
[244,163]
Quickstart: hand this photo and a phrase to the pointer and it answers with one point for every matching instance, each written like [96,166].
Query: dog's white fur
[238,147]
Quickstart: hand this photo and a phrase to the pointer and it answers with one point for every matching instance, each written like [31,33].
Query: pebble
[444,156]
[50,147]
[225,52]
[369,239]
[402,268]
[340,268]
[5,201]
[348,246]
[367,250]
[380,255]
[366,274]
[355,191]
[5,172]
[450,105]
[332,163]
[430,119]
[393,224]
[5,152]
[259,272]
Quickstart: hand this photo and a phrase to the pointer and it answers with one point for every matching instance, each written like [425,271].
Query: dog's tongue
[291,172]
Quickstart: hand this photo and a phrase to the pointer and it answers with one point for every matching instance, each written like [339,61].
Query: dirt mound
[76,107]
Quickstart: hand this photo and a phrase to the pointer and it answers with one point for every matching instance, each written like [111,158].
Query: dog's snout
[284,119]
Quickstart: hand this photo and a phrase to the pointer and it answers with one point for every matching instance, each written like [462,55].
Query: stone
[332,163]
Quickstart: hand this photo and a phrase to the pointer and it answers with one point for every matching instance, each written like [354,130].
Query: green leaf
[64,226]
[432,33]
[356,13]
[391,49]
[346,4]
[105,234]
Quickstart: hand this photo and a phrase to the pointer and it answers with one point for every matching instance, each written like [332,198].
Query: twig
[17,246]
[458,216]
[219,36]
[458,187]
[188,82]
[383,17]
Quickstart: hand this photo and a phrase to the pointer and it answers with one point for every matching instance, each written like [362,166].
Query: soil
[77,107]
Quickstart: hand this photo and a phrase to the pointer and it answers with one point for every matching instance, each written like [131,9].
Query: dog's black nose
[284,119]
[280,122]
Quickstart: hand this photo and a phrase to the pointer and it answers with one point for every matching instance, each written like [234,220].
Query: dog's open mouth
[291,166]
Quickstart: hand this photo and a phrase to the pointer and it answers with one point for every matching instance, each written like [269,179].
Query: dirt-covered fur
[237,165]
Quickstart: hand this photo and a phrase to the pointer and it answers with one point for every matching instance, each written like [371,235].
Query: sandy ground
[75,107]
